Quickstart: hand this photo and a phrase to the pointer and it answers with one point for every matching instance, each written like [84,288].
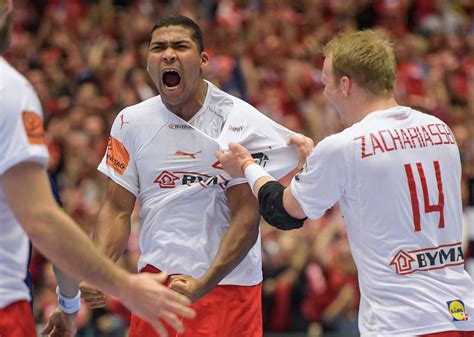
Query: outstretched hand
[235,160]
[147,298]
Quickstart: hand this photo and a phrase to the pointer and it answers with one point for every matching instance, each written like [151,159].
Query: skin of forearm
[240,237]
[235,245]
[290,204]
[259,183]
[55,234]
[60,240]
[111,232]
[68,286]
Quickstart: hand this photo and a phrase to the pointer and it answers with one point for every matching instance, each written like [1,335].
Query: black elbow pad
[270,199]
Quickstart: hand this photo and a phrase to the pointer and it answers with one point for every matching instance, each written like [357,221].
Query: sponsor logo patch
[425,259]
[33,127]
[117,155]
[457,310]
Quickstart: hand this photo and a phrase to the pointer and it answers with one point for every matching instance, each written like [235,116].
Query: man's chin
[172,96]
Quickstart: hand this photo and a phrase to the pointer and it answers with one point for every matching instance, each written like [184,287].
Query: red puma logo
[122,122]
[192,155]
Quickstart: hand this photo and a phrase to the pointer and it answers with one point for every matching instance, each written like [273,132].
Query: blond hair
[366,58]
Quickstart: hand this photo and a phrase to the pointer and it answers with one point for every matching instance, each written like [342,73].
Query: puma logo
[188,154]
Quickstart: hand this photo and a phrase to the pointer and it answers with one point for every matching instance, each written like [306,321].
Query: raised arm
[277,204]
[237,241]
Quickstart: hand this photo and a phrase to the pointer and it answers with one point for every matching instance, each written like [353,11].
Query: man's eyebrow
[172,42]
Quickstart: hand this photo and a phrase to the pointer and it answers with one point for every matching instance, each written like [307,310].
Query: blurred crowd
[86,59]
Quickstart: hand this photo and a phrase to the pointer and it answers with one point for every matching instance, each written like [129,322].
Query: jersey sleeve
[265,139]
[21,131]
[118,162]
[322,181]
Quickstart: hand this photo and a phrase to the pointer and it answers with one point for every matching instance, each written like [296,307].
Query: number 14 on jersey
[439,207]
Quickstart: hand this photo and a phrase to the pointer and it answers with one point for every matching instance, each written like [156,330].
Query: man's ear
[204,60]
[346,85]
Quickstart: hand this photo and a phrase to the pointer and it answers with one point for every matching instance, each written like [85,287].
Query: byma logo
[168,179]
[409,261]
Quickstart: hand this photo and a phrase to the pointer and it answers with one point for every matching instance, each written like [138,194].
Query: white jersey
[397,176]
[21,139]
[170,165]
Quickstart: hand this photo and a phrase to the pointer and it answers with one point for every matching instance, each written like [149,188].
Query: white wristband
[69,305]
[253,172]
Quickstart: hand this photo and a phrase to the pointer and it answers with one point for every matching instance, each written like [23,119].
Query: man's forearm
[111,232]
[61,241]
[68,285]
[240,236]
[234,246]
[55,234]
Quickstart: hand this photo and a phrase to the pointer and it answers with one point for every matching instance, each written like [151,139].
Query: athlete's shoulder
[17,93]
[220,97]
[426,117]
[13,78]
[336,147]
[146,113]
[150,107]
[341,138]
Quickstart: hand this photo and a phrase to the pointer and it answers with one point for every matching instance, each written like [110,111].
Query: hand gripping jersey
[169,164]
[397,177]
[21,139]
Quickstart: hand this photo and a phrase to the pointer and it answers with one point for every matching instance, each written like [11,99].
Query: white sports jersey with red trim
[170,165]
[397,176]
[21,139]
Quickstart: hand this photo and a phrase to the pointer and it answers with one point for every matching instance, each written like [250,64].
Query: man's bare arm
[54,233]
[239,238]
[60,239]
[238,159]
[112,228]
[236,243]
[110,233]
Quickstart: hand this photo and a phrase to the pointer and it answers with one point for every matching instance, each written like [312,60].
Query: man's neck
[371,104]
[187,110]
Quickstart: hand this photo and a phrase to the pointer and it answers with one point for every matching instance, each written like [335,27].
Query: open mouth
[171,78]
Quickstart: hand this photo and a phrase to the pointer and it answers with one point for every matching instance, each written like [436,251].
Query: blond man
[396,173]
